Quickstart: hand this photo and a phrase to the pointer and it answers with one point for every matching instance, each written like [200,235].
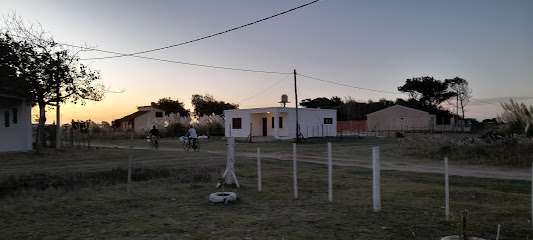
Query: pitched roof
[131,116]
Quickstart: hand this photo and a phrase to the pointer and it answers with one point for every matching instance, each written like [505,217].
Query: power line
[206,37]
[346,85]
[486,102]
[288,74]
[184,63]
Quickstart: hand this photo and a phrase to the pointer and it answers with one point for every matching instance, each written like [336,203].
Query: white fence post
[376,179]
[259,169]
[447,188]
[330,174]
[294,170]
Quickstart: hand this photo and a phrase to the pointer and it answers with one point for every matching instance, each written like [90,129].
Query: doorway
[264,127]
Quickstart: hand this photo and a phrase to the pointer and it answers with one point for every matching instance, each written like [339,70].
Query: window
[328,120]
[15,115]
[236,123]
[158,114]
[6,119]
[280,122]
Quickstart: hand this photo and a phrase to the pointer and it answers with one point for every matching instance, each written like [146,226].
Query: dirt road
[421,167]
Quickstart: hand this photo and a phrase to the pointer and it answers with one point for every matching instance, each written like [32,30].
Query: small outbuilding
[400,117]
[280,122]
[15,128]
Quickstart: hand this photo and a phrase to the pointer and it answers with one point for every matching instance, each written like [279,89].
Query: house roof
[131,116]
[423,109]
[280,108]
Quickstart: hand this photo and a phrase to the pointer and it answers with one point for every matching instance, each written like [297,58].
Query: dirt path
[421,167]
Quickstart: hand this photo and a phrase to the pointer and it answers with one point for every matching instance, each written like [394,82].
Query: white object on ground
[224,197]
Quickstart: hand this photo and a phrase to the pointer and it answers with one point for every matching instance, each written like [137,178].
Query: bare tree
[44,72]
[463,93]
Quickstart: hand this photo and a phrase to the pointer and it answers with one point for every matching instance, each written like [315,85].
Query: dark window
[6,119]
[158,114]
[280,122]
[328,120]
[272,122]
[15,115]
[237,123]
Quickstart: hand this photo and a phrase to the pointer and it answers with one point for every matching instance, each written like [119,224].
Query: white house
[280,122]
[15,128]
[140,121]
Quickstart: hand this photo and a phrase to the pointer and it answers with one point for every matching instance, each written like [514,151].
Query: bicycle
[153,141]
[187,145]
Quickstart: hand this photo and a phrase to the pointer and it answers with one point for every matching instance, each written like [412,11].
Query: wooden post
[296,98]
[376,179]
[330,174]
[58,127]
[89,134]
[229,174]
[130,163]
[72,134]
[294,170]
[259,169]
[447,188]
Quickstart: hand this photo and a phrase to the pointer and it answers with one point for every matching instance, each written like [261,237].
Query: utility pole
[456,109]
[296,98]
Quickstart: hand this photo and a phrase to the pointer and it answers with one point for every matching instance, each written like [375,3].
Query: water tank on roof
[284,99]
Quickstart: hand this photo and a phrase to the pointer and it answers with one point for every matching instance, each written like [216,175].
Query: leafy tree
[427,91]
[207,105]
[170,106]
[322,102]
[38,69]
[462,92]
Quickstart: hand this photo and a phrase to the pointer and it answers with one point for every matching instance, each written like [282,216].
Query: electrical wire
[178,62]
[265,89]
[206,37]
[486,102]
[346,85]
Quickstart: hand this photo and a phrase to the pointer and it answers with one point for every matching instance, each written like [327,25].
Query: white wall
[16,137]
[144,123]
[244,114]
[308,118]
[312,122]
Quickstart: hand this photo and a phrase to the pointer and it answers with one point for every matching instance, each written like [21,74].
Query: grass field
[81,194]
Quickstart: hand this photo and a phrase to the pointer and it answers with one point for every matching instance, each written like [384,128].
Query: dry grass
[170,199]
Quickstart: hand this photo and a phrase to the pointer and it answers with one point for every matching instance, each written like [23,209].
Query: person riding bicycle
[192,136]
[154,134]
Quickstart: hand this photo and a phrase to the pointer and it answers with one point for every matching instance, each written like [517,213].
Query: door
[264,127]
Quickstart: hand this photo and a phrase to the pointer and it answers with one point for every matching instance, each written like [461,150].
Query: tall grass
[508,151]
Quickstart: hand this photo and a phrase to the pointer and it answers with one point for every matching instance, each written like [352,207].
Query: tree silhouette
[170,106]
[427,91]
[462,92]
[39,70]
[207,105]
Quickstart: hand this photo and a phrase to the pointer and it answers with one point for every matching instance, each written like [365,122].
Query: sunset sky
[368,44]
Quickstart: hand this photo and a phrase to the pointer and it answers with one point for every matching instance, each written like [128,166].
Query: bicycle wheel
[197,146]
[186,146]
[156,144]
